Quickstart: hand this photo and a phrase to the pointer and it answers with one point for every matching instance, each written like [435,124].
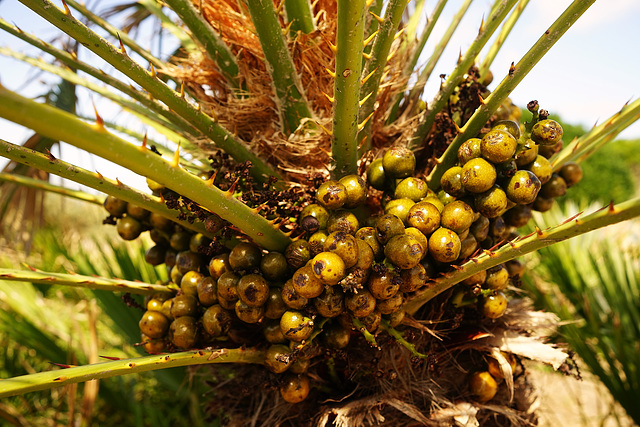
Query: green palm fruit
[306,283]
[457,216]
[547,132]
[245,256]
[313,218]
[411,188]
[444,245]
[356,188]
[376,175]
[183,332]
[470,149]
[328,267]
[483,386]
[129,228]
[253,290]
[451,182]
[523,187]
[154,324]
[398,162]
[330,303]
[571,172]
[331,195]
[498,146]
[295,326]
[277,358]
[115,206]
[342,220]
[478,175]
[404,251]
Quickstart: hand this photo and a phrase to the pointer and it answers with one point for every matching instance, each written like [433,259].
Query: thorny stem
[349,44]
[95,139]
[483,69]
[376,65]
[115,33]
[153,112]
[288,89]
[209,39]
[506,86]
[72,62]
[581,147]
[39,184]
[539,239]
[454,79]
[57,378]
[96,181]
[299,13]
[417,89]
[158,89]
[79,281]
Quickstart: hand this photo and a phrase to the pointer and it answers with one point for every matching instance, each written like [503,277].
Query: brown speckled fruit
[498,146]
[331,195]
[404,251]
[253,290]
[328,267]
[494,305]
[306,283]
[296,326]
[398,162]
[457,216]
[424,216]
[444,245]
[523,187]
[478,175]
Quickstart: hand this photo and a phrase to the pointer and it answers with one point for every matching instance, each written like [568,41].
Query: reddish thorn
[49,155]
[122,48]
[572,218]
[512,244]
[61,365]
[111,357]
[539,232]
[611,208]
[232,189]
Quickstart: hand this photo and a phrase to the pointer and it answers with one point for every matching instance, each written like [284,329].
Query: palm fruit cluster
[350,270]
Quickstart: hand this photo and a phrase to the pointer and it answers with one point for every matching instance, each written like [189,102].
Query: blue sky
[585,78]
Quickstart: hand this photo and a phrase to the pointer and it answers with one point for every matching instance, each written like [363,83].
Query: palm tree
[263,102]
